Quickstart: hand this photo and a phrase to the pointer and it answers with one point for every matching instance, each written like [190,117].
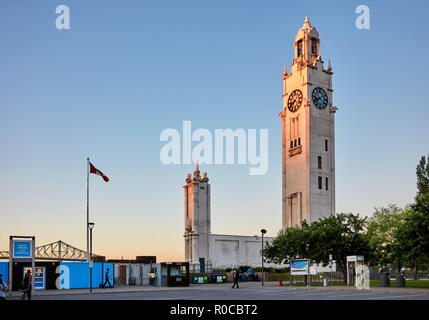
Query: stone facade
[197,217]
[213,250]
[308,137]
[308,164]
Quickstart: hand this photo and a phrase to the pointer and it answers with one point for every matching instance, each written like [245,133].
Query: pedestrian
[107,279]
[235,277]
[250,274]
[3,288]
[152,276]
[27,285]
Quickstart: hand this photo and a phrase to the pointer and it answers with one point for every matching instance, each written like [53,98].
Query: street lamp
[90,227]
[263,231]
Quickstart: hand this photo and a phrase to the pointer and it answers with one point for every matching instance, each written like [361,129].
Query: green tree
[422,172]
[412,240]
[340,235]
[288,245]
[381,234]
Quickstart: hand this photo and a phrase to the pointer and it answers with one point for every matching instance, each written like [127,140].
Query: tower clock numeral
[295,100]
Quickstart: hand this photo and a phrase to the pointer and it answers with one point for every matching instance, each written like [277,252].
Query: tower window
[299,141]
[294,143]
[326,145]
[319,183]
[313,46]
[326,183]
[291,144]
[299,48]
[319,162]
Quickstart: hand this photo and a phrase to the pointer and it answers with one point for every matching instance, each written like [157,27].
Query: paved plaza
[247,291]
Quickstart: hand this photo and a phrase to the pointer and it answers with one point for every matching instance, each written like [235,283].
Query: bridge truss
[58,251]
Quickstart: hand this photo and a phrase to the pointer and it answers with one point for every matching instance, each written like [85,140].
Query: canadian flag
[94,170]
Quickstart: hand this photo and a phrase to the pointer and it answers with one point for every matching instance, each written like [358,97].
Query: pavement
[247,291]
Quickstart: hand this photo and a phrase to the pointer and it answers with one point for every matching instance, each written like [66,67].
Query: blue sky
[129,69]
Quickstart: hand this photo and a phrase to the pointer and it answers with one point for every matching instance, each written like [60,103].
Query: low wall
[231,251]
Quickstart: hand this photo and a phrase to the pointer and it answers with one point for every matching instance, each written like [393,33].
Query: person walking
[152,276]
[235,278]
[107,279]
[27,285]
[3,288]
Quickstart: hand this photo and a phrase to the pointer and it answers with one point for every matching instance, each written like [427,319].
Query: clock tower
[308,141]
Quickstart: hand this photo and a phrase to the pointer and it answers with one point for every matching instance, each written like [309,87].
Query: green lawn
[278,276]
[417,284]
[320,284]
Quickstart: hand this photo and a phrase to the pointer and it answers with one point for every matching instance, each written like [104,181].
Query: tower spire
[197,176]
[306,22]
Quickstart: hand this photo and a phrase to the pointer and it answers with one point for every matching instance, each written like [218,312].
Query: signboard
[299,267]
[22,249]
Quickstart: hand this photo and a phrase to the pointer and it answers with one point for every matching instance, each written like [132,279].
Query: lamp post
[263,231]
[90,227]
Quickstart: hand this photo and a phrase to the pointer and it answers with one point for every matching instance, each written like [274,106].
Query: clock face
[294,101]
[320,98]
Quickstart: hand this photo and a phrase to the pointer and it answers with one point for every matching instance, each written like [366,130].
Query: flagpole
[87,209]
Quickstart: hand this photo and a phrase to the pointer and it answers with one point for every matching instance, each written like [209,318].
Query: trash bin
[280,282]
[384,279]
[400,280]
[218,278]
[200,279]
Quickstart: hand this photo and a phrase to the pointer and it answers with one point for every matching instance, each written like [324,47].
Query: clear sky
[126,70]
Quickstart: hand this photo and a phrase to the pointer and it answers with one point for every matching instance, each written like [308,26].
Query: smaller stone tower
[197,220]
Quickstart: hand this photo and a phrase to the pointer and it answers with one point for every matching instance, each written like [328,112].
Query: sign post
[22,249]
[299,267]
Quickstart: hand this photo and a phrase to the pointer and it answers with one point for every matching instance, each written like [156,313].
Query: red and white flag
[94,170]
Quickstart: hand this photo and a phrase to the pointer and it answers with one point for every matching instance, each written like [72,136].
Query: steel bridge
[58,251]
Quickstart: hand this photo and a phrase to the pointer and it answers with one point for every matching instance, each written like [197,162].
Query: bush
[244,268]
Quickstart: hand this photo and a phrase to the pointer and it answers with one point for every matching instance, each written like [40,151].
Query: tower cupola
[307,44]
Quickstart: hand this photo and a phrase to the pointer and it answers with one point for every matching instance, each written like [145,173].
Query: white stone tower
[197,220]
[308,141]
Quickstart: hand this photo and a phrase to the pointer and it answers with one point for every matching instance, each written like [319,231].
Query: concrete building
[308,137]
[204,250]
[308,163]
